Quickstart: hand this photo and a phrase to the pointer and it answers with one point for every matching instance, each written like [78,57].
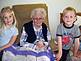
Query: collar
[68,27]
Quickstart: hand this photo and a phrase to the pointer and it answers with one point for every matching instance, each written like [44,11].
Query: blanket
[27,54]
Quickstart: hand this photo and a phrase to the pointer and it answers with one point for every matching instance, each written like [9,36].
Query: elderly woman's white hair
[40,11]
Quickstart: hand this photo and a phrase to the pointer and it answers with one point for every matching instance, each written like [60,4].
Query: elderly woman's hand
[40,44]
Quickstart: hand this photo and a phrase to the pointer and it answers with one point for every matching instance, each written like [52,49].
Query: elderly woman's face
[38,20]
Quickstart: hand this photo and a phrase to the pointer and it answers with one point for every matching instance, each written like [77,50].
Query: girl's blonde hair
[9,10]
[41,11]
[6,10]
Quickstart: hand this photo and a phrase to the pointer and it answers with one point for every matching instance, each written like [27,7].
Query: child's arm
[76,46]
[59,54]
[13,39]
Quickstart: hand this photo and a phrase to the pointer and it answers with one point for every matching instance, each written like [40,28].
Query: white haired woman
[36,31]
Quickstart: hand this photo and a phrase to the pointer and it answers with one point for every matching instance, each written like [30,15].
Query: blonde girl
[8,30]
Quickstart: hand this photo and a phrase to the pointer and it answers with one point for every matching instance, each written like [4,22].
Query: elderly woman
[35,38]
[36,32]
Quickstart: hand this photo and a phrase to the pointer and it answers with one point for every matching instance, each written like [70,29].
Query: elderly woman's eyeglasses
[38,18]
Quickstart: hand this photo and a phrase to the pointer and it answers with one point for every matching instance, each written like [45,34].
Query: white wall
[54,8]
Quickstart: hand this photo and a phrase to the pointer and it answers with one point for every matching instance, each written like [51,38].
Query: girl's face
[69,18]
[8,18]
[38,20]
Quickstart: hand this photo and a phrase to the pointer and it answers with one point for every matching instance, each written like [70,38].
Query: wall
[54,8]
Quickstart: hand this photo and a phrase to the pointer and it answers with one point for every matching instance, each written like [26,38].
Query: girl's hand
[58,56]
[74,58]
